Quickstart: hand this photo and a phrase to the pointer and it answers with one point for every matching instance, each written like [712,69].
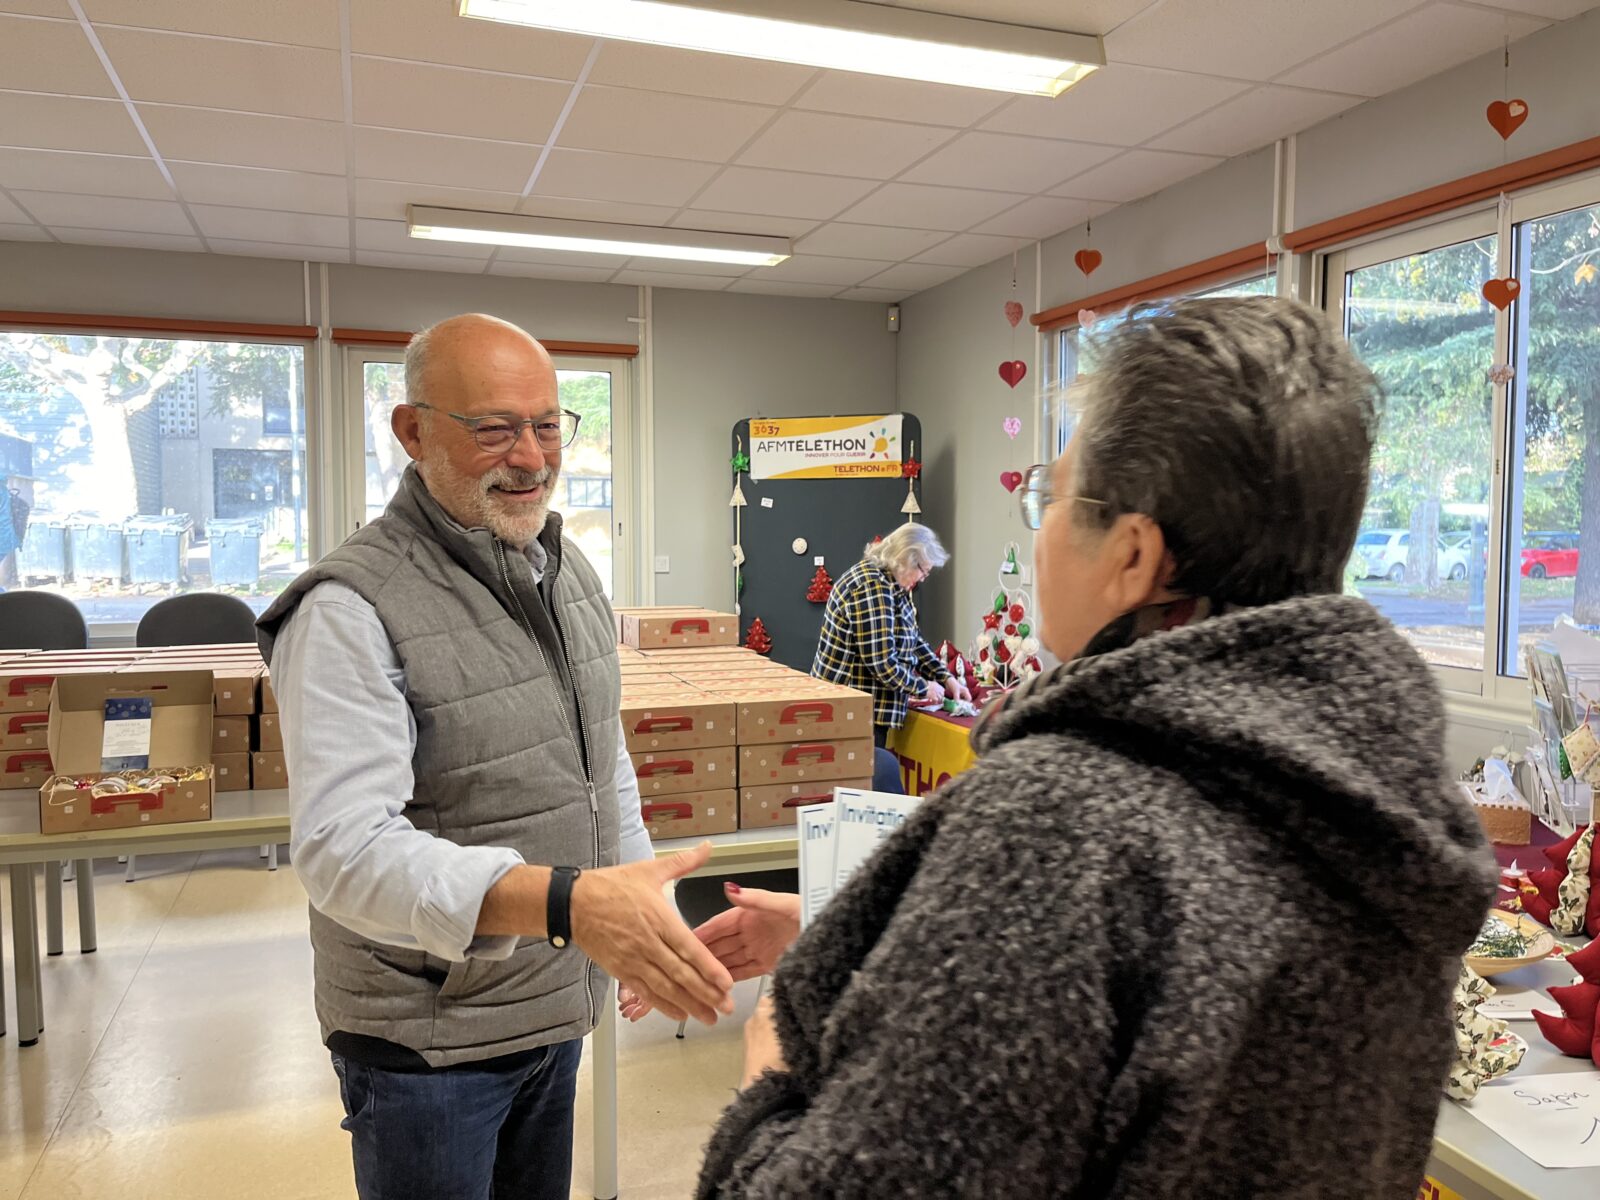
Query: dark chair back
[196,620]
[40,621]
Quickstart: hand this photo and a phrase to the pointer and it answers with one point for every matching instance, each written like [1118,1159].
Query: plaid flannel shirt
[870,642]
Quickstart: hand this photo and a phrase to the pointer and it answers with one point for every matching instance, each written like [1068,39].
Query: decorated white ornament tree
[1006,651]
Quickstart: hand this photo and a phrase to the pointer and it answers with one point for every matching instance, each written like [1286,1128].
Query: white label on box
[766,502]
[711,812]
[817,561]
[711,766]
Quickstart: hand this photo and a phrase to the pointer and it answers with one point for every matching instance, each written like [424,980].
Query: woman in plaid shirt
[870,639]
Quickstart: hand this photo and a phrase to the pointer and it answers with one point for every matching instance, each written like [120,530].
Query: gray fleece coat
[1188,929]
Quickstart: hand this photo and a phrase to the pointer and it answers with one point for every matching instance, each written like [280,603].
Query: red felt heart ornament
[1011,480]
[1501,292]
[1013,371]
[1013,312]
[1507,116]
[1087,260]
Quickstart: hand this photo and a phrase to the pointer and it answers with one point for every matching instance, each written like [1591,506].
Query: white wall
[720,357]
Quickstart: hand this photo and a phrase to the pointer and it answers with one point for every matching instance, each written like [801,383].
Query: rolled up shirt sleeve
[348,740]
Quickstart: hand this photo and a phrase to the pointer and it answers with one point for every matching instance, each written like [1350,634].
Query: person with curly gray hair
[1205,893]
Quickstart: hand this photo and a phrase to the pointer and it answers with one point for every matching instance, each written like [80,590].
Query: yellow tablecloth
[931,750]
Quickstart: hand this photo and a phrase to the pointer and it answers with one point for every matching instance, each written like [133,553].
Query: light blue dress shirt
[349,762]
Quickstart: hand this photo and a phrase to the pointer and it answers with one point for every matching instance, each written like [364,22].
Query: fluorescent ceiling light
[594,237]
[845,35]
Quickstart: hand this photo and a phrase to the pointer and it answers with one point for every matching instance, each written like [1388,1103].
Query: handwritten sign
[1521,993]
[1553,1119]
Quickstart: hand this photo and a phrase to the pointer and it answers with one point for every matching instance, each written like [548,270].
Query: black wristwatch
[558,906]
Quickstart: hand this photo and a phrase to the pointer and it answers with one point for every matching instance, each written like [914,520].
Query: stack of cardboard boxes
[722,738]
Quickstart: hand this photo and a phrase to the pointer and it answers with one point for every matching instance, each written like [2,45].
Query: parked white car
[1382,553]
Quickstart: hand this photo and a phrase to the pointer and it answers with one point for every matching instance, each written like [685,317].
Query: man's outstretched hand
[621,920]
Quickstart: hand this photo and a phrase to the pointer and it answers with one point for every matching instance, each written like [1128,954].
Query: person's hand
[762,1050]
[751,937]
[959,690]
[631,1005]
[621,920]
[934,696]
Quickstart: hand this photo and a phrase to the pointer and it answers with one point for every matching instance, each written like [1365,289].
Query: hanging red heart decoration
[1013,312]
[1011,480]
[1013,371]
[1507,116]
[1501,292]
[1087,260]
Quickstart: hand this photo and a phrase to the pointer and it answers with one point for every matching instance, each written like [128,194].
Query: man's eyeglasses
[1036,496]
[496,434]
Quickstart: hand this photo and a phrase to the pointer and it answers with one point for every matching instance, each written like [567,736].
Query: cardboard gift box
[268,701]
[231,771]
[234,688]
[800,762]
[180,741]
[806,710]
[24,730]
[657,631]
[776,805]
[621,614]
[679,719]
[269,734]
[230,735]
[268,770]
[704,770]
[24,768]
[25,684]
[691,814]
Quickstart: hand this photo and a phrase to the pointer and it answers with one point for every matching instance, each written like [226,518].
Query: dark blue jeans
[465,1133]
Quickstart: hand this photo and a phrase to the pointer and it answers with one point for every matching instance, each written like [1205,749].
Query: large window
[127,460]
[584,498]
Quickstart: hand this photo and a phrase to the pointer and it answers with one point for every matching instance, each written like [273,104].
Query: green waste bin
[157,548]
[96,548]
[44,549]
[235,551]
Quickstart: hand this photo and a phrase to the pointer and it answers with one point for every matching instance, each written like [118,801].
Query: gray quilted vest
[504,757]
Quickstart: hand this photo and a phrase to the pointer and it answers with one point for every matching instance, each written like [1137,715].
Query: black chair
[40,621]
[198,619]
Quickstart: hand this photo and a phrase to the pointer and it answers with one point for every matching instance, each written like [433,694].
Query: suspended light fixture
[593,237]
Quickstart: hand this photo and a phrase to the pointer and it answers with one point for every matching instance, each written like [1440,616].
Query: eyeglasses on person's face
[1035,496]
[496,433]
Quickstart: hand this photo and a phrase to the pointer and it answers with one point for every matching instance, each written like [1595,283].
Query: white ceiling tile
[596,210]
[128,238]
[1416,46]
[915,276]
[547,271]
[288,81]
[731,222]
[429,31]
[898,99]
[867,241]
[266,225]
[812,268]
[663,279]
[10,214]
[410,95]
[1254,119]
[688,72]
[971,250]
[23,233]
[834,145]
[1096,17]
[596,175]
[1003,160]
[252,249]
[1244,39]
[1555,10]
[294,22]
[772,287]
[558,258]
[50,56]
[67,123]
[41,8]
[1134,174]
[387,200]
[245,139]
[781,193]
[1118,104]
[924,207]
[1042,216]
[875,295]
[433,158]
[390,237]
[251,187]
[92,174]
[105,212]
[637,122]
[418,262]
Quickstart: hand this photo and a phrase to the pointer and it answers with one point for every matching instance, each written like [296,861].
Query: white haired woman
[870,638]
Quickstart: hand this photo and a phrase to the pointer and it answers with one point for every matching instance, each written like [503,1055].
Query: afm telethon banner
[825,447]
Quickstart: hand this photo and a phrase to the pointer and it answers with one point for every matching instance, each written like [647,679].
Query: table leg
[2,997]
[52,908]
[87,933]
[25,947]
[272,857]
[605,1099]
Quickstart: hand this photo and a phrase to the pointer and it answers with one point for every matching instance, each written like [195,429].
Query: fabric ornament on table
[1571,912]
[1485,1048]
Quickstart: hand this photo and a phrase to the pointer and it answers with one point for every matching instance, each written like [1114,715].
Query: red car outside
[1550,555]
